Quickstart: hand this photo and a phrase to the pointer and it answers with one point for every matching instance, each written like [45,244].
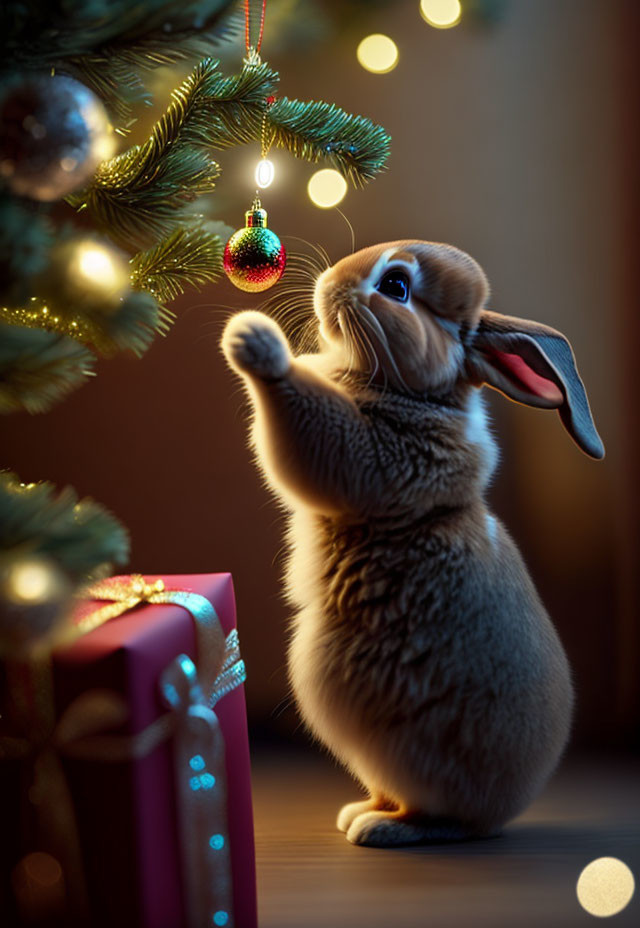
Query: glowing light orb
[605,886]
[42,868]
[97,269]
[442,14]
[327,188]
[96,264]
[31,581]
[378,53]
[264,173]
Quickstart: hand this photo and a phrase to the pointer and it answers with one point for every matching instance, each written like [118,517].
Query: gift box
[148,740]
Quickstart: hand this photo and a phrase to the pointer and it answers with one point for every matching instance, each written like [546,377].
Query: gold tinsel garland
[38,315]
[99,334]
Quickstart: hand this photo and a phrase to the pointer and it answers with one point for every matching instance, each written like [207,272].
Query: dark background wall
[512,141]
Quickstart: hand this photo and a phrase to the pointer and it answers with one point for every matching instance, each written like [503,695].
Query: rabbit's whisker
[372,356]
[378,332]
[319,252]
[360,346]
[351,229]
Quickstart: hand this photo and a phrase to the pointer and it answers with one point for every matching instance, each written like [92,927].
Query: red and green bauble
[254,258]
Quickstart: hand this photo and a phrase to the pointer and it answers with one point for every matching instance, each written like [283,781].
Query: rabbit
[421,655]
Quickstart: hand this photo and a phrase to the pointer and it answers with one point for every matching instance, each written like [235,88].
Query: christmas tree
[97,237]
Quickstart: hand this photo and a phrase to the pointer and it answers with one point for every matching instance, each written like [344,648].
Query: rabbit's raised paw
[255,344]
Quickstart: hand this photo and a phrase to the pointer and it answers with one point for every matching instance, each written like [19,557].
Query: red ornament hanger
[247,27]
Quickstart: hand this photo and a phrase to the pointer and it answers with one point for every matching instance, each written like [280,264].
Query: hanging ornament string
[264,169]
[253,50]
[254,258]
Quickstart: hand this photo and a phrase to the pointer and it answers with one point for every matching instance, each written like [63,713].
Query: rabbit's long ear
[533,364]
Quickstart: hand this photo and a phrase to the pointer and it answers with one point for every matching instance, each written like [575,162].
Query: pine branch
[115,72]
[37,369]
[188,257]
[354,145]
[80,535]
[231,108]
[141,198]
[231,112]
[48,32]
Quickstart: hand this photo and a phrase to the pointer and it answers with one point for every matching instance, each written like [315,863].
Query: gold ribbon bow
[198,746]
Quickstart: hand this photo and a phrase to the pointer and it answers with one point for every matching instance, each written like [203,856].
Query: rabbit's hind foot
[394,829]
[352,810]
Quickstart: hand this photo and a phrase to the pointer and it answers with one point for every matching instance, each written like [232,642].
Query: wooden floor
[309,876]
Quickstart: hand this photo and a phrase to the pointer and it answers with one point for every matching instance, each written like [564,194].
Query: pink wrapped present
[148,732]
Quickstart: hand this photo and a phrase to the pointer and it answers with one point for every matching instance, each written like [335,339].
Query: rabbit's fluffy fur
[421,654]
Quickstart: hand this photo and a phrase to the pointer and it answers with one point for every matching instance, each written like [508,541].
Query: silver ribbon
[201,785]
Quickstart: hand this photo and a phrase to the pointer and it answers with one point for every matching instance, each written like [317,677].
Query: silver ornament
[54,132]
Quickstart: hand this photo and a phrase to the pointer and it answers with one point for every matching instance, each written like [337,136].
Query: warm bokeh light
[327,188]
[98,268]
[31,581]
[39,890]
[443,14]
[42,868]
[605,886]
[264,173]
[104,143]
[96,264]
[378,53]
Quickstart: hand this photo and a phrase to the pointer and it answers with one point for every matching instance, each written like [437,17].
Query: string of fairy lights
[379,54]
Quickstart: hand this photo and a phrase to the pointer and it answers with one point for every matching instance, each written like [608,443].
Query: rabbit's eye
[396,285]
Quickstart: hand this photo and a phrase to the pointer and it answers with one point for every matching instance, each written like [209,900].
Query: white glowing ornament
[264,173]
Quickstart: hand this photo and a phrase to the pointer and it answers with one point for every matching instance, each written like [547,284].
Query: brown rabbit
[421,654]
